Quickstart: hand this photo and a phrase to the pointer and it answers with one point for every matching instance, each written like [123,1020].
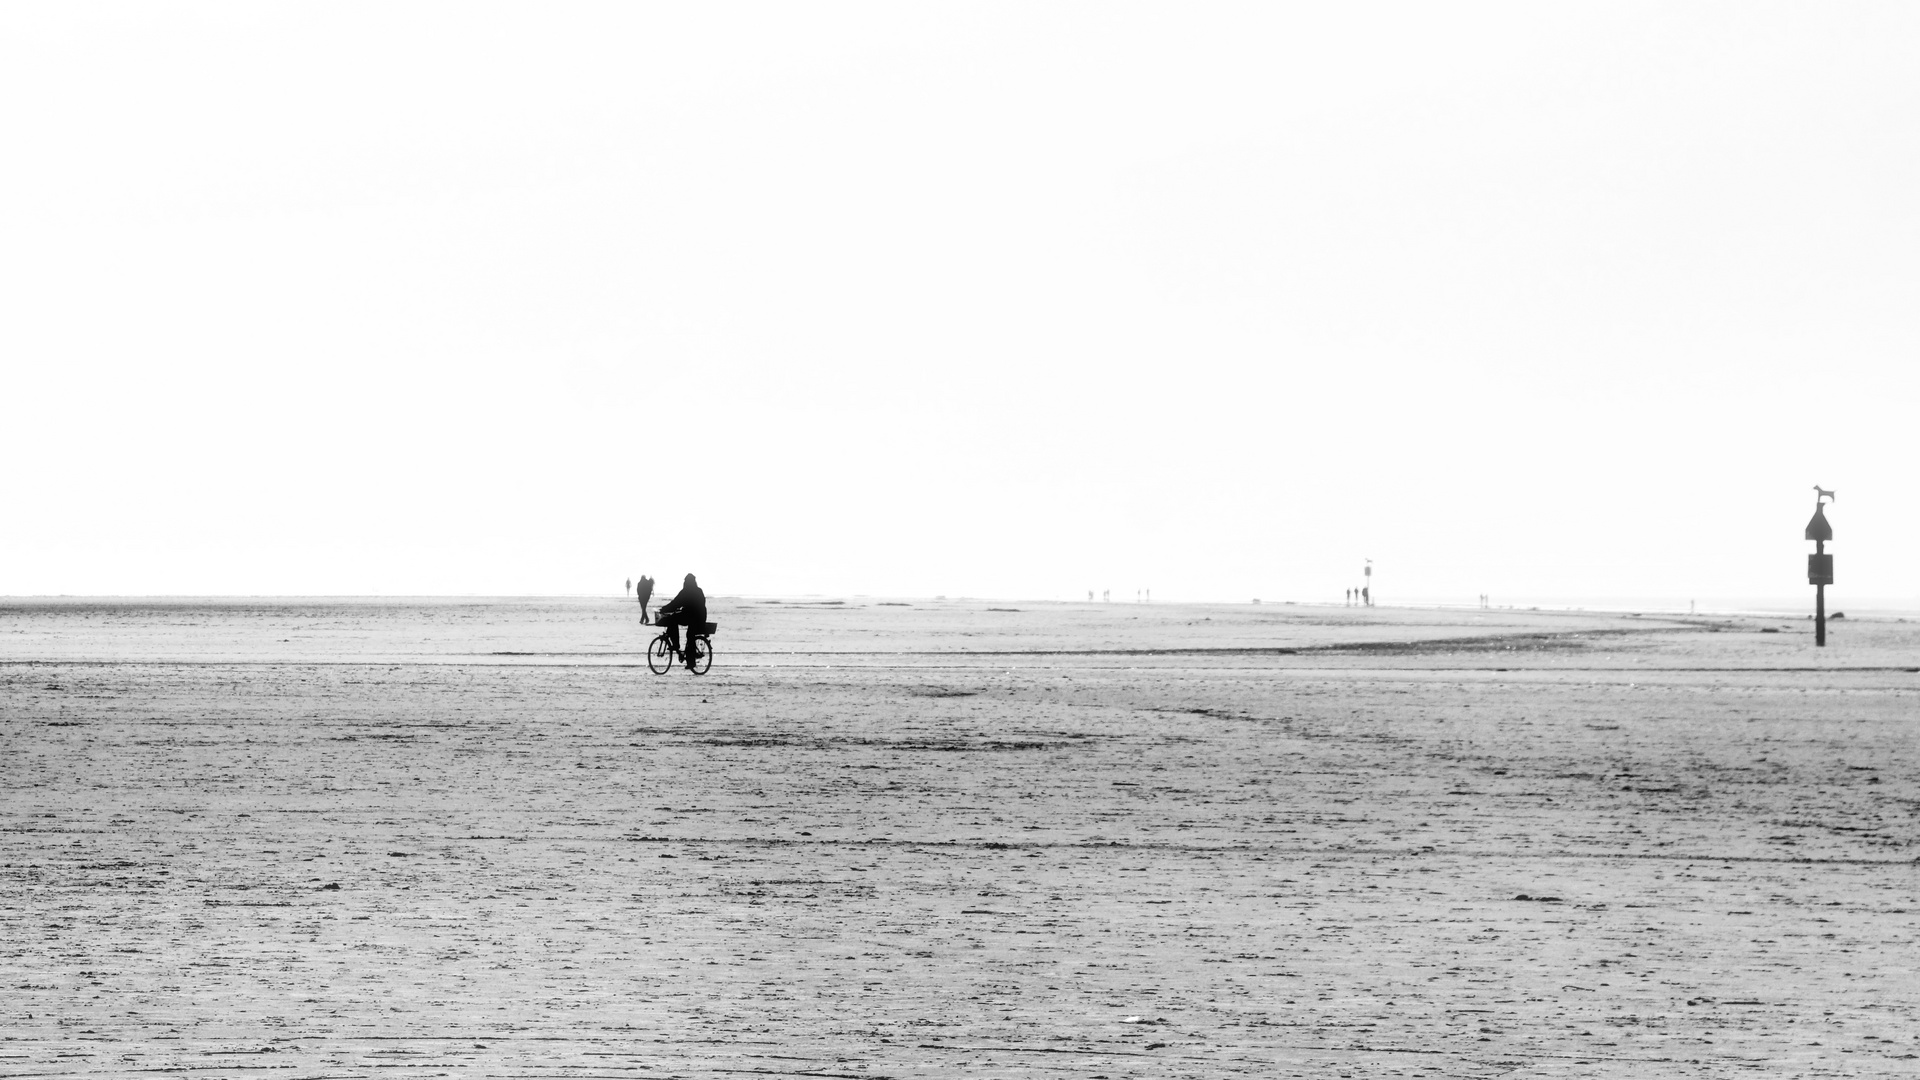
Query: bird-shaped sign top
[1822,493]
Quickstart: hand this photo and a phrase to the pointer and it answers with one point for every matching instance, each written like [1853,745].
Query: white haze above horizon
[1003,300]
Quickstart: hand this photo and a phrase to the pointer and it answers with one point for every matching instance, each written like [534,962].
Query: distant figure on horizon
[1348,597]
[627,588]
[1366,596]
[688,608]
[645,592]
[1089,596]
[1106,595]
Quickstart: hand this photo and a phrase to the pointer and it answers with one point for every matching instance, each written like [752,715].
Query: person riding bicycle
[688,608]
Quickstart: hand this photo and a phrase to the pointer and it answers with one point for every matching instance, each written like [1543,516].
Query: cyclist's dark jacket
[690,604]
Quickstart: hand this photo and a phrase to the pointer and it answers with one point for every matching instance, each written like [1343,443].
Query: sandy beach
[341,838]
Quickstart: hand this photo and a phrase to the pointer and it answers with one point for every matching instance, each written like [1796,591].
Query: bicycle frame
[662,645]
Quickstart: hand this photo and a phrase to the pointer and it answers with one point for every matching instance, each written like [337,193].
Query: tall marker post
[1820,564]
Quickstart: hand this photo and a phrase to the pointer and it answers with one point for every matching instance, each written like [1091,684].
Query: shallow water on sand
[332,838]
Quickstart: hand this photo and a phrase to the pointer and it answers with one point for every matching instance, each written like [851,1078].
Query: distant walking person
[688,608]
[627,588]
[644,591]
[1366,596]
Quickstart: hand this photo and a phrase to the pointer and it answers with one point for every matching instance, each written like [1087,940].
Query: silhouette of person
[627,588]
[645,592]
[1366,596]
[688,608]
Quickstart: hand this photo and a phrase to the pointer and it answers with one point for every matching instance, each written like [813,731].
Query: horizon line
[1620,602]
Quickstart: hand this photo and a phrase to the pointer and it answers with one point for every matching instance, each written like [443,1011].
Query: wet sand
[474,838]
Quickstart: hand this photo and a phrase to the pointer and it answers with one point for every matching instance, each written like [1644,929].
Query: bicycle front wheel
[702,655]
[659,655]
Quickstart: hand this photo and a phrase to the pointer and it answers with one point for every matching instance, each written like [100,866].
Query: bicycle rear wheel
[659,655]
[702,654]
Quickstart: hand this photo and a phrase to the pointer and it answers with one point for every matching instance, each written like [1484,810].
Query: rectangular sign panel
[1819,569]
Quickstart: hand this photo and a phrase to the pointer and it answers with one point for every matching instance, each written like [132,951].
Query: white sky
[997,300]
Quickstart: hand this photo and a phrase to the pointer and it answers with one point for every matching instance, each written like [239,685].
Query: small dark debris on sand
[941,691]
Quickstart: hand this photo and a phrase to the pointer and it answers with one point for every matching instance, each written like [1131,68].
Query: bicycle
[661,654]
